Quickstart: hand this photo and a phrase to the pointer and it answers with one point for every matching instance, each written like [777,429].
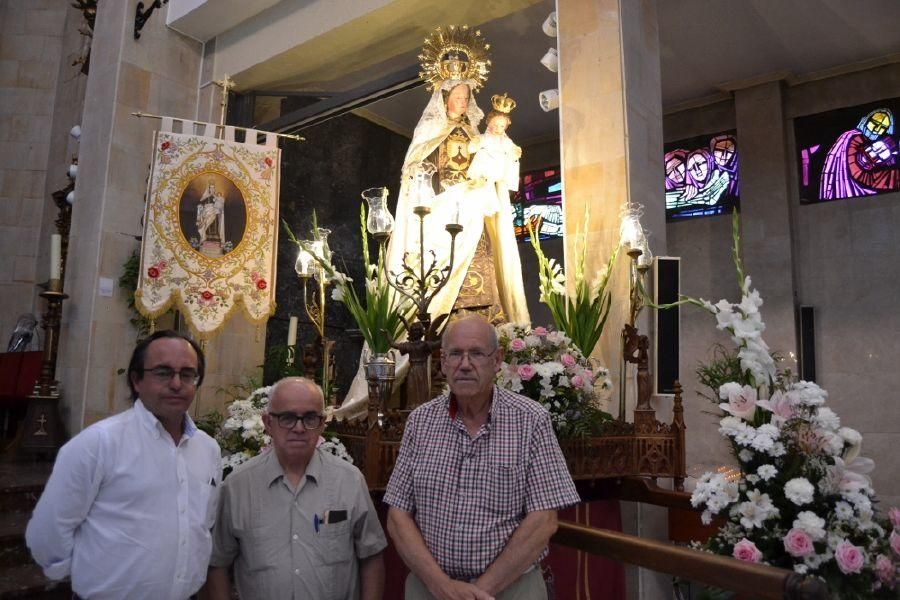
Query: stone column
[611,140]
[156,74]
[766,240]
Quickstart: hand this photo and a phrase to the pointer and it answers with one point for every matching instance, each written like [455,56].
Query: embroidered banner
[210,228]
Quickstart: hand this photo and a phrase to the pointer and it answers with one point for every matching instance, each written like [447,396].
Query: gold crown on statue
[503,104]
[454,52]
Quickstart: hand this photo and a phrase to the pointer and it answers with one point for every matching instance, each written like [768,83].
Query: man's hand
[450,589]
[412,549]
[522,550]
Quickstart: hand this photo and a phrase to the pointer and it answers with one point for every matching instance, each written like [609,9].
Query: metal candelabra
[420,285]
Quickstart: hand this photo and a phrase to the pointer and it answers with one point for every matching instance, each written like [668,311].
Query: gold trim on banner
[210,231]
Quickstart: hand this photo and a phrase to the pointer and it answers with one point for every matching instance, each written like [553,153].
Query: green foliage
[724,366]
[379,310]
[583,316]
[128,281]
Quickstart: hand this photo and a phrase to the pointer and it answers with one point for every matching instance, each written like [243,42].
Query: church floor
[21,482]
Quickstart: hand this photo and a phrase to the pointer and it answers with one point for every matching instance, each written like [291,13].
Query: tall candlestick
[55,256]
[292,332]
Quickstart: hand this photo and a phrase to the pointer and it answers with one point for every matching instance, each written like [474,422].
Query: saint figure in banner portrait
[213,215]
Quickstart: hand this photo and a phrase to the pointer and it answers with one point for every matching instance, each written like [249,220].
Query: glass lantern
[379,221]
[646,258]
[630,230]
[422,185]
[320,245]
[303,263]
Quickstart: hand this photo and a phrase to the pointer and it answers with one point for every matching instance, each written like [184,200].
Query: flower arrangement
[803,499]
[381,308]
[583,316]
[547,367]
[242,434]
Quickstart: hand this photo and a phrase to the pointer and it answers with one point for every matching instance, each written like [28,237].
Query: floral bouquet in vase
[379,310]
[547,367]
[804,500]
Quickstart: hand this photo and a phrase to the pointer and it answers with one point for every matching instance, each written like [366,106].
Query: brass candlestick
[317,357]
[43,427]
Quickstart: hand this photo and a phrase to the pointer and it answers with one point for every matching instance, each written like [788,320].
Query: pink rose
[568,360]
[588,374]
[517,345]
[526,372]
[894,514]
[539,331]
[884,569]
[850,558]
[577,381]
[747,551]
[895,543]
[798,543]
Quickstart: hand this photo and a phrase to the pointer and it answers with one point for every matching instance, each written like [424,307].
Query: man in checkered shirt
[480,476]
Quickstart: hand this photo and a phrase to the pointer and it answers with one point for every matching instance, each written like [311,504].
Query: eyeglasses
[288,420]
[165,374]
[454,358]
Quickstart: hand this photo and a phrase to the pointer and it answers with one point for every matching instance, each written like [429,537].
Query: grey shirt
[300,543]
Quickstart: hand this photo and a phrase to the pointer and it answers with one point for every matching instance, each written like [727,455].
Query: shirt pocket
[332,553]
[503,492]
[202,500]
[333,545]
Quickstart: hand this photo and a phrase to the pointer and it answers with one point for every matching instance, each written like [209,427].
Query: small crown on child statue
[503,104]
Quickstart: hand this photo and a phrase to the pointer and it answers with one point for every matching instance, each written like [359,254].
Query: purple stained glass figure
[862,162]
[675,166]
[724,151]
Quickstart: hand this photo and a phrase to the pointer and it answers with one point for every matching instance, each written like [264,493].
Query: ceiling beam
[385,87]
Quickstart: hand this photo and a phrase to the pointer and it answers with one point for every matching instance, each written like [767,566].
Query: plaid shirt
[469,494]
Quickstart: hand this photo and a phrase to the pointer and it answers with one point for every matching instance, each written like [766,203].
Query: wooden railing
[747,579]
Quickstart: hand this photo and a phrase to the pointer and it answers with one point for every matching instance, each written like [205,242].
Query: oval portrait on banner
[213,214]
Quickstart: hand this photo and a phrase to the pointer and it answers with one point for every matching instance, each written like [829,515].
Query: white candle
[292,332]
[55,255]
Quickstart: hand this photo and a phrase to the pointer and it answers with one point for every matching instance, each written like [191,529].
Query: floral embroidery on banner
[210,231]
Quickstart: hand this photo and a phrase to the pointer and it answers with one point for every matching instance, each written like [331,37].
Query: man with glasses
[478,481]
[128,509]
[297,522]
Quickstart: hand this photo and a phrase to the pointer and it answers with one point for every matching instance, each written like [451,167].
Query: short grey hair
[308,383]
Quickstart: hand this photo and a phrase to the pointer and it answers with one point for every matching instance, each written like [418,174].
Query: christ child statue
[496,156]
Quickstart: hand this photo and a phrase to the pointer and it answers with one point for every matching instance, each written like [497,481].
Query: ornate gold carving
[503,104]
[454,52]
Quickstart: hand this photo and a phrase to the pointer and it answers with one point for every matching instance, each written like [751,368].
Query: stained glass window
[701,176]
[539,202]
[848,153]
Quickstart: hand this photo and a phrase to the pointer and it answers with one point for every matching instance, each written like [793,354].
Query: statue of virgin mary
[455,66]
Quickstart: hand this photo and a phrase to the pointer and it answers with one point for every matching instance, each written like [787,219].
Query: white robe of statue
[478,205]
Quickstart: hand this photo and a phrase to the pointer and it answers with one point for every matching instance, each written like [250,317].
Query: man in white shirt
[128,509]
